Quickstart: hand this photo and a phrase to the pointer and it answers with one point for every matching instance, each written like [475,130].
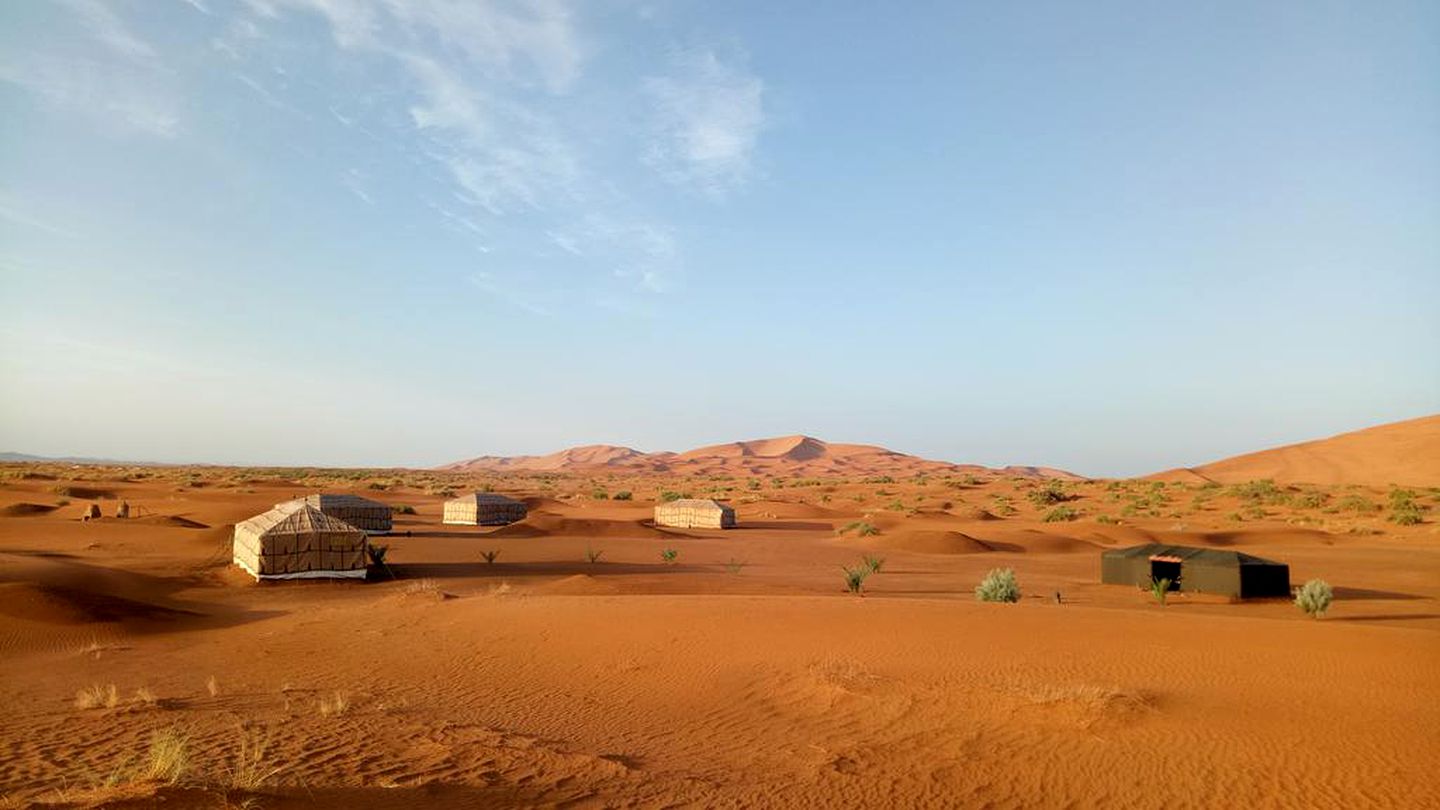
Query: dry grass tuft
[212,686]
[251,769]
[169,758]
[97,696]
[335,705]
[144,697]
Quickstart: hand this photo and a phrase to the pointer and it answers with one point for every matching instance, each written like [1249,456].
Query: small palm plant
[1160,588]
[874,563]
[734,565]
[855,578]
[592,554]
[669,555]
[1314,597]
[490,555]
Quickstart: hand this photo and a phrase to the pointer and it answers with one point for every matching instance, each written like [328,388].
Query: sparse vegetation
[403,510]
[1314,597]
[251,770]
[599,494]
[874,563]
[593,555]
[490,555]
[669,555]
[1000,585]
[334,705]
[670,495]
[1160,589]
[861,528]
[855,578]
[734,566]
[1060,514]
[376,553]
[97,697]
[623,495]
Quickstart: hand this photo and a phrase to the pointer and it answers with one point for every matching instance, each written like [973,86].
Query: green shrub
[1160,588]
[874,563]
[599,494]
[623,495]
[861,528]
[1310,500]
[669,556]
[670,495]
[1059,514]
[1314,597]
[1357,503]
[1052,493]
[999,585]
[1407,514]
[1106,519]
[855,578]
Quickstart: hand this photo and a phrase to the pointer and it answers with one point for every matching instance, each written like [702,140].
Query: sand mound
[544,525]
[175,521]
[971,513]
[929,541]
[26,510]
[56,604]
[87,493]
[579,585]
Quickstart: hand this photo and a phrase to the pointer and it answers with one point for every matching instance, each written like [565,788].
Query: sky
[1108,237]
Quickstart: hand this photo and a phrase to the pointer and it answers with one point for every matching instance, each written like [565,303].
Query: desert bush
[1310,500]
[593,554]
[169,756]
[1059,514]
[861,528]
[623,495]
[402,510]
[669,555]
[1262,490]
[1357,503]
[599,494]
[1314,597]
[1407,515]
[855,578]
[734,565]
[670,495]
[874,563]
[490,555]
[1000,585]
[1052,492]
[1106,519]
[144,696]
[334,705]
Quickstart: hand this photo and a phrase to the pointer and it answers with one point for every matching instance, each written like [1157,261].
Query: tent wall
[1202,570]
[269,546]
[694,515]
[491,511]
[362,513]
[1202,577]
[1119,569]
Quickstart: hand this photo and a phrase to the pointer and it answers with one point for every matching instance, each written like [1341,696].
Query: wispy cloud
[123,85]
[708,115]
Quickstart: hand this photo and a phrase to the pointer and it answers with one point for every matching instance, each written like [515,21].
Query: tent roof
[1191,554]
[302,519]
[695,503]
[479,498]
[328,500]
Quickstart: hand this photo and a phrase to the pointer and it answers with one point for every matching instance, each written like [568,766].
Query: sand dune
[1405,453]
[796,455]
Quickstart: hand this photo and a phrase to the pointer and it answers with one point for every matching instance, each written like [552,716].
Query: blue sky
[1111,237]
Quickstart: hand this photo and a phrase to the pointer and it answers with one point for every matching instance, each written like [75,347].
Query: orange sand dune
[1405,453]
[786,455]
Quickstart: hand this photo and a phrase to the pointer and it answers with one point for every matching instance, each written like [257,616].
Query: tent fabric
[694,513]
[299,542]
[483,509]
[1202,570]
[372,516]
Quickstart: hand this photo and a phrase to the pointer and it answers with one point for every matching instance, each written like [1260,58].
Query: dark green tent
[1200,570]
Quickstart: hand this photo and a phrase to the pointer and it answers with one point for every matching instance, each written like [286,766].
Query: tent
[362,513]
[694,513]
[483,509]
[299,542]
[1197,570]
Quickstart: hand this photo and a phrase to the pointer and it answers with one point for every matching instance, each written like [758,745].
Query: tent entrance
[1166,569]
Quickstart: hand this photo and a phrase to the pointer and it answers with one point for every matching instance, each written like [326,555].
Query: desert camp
[372,516]
[299,542]
[694,513]
[1196,570]
[483,509]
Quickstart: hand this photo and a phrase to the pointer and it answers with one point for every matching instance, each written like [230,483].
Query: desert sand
[741,675]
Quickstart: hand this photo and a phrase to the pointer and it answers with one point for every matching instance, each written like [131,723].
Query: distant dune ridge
[784,455]
[1405,452]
